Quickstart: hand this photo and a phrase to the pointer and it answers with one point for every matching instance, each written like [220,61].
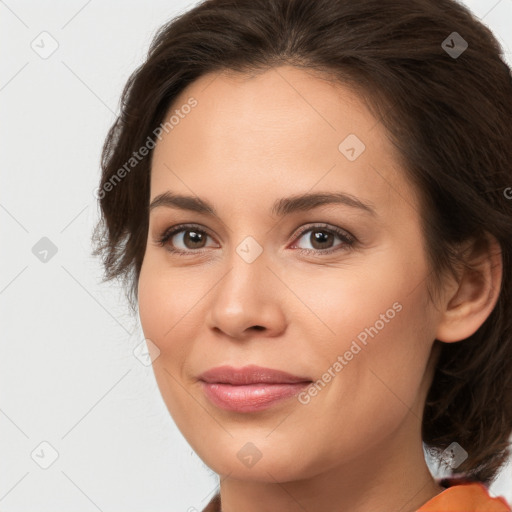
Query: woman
[309,202]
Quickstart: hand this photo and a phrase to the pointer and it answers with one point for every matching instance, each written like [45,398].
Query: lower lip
[250,398]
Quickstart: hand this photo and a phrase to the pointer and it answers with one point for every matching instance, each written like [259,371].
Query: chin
[242,460]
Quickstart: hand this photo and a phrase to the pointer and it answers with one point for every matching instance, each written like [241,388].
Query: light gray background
[68,373]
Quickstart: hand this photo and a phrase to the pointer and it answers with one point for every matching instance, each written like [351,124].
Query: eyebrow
[280,208]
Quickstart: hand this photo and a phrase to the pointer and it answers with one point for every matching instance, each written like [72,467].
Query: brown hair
[449,116]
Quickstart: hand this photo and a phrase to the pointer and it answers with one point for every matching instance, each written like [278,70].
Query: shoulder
[464,496]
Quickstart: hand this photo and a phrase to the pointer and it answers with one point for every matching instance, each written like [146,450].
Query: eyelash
[347,239]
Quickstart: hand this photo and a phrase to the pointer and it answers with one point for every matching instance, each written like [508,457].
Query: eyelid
[343,233]
[346,237]
[347,240]
[173,230]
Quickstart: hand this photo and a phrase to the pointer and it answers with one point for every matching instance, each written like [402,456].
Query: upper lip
[250,374]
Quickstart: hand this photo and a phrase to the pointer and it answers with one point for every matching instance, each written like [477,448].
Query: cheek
[162,307]
[164,320]
[376,319]
[387,344]
[150,302]
[363,301]
[384,358]
[165,297]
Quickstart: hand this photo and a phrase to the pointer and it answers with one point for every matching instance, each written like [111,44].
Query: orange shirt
[464,496]
[459,496]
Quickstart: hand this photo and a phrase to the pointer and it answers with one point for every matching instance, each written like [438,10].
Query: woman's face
[332,291]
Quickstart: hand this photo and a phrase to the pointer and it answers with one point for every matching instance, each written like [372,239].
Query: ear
[474,295]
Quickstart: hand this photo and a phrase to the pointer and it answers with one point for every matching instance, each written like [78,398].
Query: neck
[389,477]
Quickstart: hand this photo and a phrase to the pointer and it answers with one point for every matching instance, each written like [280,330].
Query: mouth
[250,388]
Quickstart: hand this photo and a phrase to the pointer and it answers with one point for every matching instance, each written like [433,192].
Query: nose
[248,300]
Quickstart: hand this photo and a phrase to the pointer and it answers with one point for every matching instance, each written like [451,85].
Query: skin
[356,445]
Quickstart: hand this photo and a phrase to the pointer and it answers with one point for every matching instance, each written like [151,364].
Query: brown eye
[192,239]
[184,239]
[323,240]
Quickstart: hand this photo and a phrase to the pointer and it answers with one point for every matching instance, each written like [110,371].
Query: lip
[250,374]
[250,388]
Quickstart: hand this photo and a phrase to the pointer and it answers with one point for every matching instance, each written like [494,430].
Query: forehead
[283,130]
